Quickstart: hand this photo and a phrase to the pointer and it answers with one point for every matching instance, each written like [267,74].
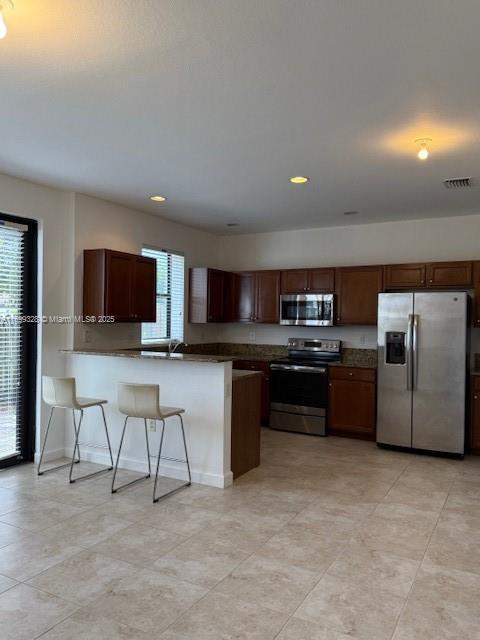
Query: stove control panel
[314,345]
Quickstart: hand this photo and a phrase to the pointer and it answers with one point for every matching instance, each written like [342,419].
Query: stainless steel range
[299,385]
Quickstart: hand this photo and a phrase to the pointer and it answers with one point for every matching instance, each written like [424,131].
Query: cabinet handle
[350,373]
[430,280]
[475,397]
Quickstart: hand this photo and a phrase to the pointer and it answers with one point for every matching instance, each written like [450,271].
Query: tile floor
[330,539]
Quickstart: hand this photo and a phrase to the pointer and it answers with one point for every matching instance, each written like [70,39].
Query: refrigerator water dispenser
[395,347]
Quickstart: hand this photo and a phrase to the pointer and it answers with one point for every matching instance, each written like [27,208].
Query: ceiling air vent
[457,183]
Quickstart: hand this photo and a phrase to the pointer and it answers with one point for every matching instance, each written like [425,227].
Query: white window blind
[11,307]
[170,297]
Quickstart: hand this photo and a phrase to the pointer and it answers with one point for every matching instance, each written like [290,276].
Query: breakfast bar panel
[202,387]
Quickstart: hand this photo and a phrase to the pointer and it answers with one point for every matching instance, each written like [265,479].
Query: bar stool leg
[127,484]
[148,449]
[185,484]
[76,447]
[60,466]
[108,438]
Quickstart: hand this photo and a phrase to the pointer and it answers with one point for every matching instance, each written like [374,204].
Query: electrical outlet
[252,336]
[152,425]
[87,336]
[362,339]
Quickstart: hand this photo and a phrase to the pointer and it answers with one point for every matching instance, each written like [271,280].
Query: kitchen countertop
[152,355]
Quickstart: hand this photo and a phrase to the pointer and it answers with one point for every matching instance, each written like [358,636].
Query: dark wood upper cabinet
[307,280]
[267,304]
[294,281]
[405,276]
[119,284]
[208,295]
[244,297]
[476,286]
[357,294]
[449,274]
[352,402]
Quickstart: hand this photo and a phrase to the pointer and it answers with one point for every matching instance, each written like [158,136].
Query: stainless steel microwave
[309,309]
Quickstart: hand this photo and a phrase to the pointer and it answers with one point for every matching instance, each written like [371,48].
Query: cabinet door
[405,276]
[321,280]
[216,296]
[245,297]
[264,367]
[476,285]
[144,294]
[351,408]
[294,281]
[475,421]
[358,289]
[119,280]
[449,274]
[267,284]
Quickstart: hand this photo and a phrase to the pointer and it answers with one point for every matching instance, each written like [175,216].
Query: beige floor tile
[297,629]
[180,519]
[397,529]
[337,521]
[200,561]
[273,584]
[85,626]
[11,500]
[217,617]
[6,583]
[212,499]
[88,528]
[83,577]
[148,601]
[352,608]
[417,496]
[301,547]
[26,613]
[375,569]
[39,515]
[464,497]
[10,534]
[31,556]
[139,544]
[455,543]
[245,534]
[443,605]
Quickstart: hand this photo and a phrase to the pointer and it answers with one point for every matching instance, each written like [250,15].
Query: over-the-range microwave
[309,309]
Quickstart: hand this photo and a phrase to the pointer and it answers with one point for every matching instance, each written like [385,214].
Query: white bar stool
[60,393]
[143,401]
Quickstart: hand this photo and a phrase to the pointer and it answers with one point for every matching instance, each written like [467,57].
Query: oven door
[298,398]
[307,310]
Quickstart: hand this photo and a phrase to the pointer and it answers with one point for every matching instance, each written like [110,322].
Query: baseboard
[52,454]
[167,468]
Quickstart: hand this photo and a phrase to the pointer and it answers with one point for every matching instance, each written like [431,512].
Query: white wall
[102,224]
[439,239]
[53,209]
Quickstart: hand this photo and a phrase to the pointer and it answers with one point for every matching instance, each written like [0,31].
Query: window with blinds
[11,338]
[170,297]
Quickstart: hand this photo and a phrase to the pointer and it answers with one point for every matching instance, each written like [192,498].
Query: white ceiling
[216,103]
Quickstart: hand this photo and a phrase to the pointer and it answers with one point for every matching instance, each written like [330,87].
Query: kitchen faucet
[173,345]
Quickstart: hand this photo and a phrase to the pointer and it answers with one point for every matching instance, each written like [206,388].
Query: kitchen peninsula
[201,384]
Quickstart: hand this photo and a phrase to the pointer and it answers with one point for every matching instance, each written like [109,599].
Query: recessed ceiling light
[232,224]
[158,198]
[299,179]
[350,213]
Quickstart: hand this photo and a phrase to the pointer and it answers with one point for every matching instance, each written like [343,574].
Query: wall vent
[457,183]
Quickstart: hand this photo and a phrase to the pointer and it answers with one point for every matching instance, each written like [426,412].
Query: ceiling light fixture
[299,179]
[4,4]
[158,198]
[423,152]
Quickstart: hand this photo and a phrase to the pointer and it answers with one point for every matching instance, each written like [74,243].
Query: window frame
[167,296]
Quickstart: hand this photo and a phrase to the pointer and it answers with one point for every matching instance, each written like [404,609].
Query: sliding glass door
[18,336]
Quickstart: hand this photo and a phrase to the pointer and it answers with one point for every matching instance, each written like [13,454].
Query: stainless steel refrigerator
[422,362]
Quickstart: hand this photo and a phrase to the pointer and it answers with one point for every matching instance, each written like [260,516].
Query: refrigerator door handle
[408,352]
[415,351]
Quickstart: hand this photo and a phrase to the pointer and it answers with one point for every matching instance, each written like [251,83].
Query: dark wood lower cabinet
[264,367]
[246,395]
[352,402]
[475,416]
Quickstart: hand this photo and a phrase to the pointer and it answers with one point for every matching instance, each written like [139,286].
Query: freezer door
[439,371]
[394,395]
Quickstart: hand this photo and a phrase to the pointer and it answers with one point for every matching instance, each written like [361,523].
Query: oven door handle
[298,368]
